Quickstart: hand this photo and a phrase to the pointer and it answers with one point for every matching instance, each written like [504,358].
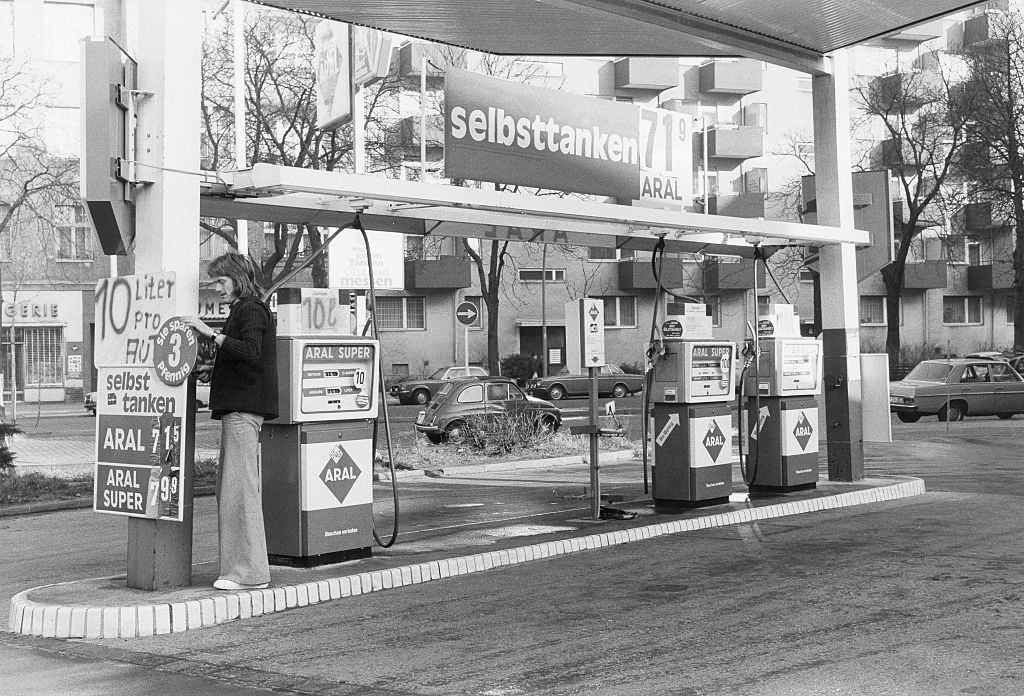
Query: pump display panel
[323,379]
[789,367]
[694,372]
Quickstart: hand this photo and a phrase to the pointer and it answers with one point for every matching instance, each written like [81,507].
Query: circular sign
[466,313]
[175,350]
[672,329]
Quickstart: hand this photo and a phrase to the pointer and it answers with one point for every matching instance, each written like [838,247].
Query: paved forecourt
[107,608]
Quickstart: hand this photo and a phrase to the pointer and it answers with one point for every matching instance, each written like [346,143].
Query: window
[961,309]
[400,313]
[73,234]
[608,254]
[715,305]
[66,24]
[973,252]
[535,275]
[804,84]
[399,369]
[1010,303]
[44,356]
[620,312]
[478,302]
[6,235]
[872,310]
[473,394]
[806,275]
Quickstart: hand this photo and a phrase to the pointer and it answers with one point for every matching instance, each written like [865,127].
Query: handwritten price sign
[129,312]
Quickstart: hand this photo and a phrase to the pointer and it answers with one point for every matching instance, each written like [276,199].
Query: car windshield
[930,372]
[439,374]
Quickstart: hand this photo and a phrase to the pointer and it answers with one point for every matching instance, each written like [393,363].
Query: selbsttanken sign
[508,132]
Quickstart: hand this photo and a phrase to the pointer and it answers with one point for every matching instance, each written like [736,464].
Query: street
[920,596]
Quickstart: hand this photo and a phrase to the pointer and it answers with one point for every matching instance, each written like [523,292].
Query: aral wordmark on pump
[340,473]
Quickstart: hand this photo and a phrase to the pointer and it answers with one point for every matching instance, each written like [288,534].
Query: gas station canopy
[793,33]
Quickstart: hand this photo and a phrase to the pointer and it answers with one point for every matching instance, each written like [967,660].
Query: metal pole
[595,467]
[238,19]
[544,313]
[465,345]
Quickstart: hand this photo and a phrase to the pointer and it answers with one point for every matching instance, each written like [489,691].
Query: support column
[167,235]
[840,315]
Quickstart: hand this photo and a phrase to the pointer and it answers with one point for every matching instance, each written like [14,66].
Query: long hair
[242,271]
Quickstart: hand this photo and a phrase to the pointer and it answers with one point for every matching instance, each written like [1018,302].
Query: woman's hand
[200,326]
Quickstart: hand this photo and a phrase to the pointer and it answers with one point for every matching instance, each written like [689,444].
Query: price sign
[313,311]
[143,355]
[666,155]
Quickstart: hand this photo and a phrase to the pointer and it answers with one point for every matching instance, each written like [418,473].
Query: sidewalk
[106,608]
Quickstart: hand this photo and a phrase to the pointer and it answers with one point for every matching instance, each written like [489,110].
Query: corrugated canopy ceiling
[796,33]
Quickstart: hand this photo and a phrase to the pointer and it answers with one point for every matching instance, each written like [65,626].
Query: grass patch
[34,487]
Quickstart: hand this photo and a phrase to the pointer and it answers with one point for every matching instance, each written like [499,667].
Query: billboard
[508,132]
[333,74]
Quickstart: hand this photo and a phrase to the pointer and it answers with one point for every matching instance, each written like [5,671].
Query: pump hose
[657,254]
[383,397]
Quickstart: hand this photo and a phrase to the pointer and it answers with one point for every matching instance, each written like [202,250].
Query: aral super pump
[318,455]
[692,388]
[780,418]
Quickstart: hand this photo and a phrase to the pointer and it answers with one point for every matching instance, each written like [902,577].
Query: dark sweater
[245,371]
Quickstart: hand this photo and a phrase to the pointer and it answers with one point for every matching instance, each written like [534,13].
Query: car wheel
[619,391]
[556,392]
[434,438]
[546,425]
[1006,416]
[455,432]
[421,396]
[909,417]
[954,412]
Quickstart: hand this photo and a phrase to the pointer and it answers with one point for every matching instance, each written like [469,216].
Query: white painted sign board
[584,334]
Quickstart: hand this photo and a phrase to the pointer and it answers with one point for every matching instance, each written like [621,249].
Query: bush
[499,435]
[7,431]
[518,367]
[633,368]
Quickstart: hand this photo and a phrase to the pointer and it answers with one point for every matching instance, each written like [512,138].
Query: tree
[992,106]
[923,131]
[280,103]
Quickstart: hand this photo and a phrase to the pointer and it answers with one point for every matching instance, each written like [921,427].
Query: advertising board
[144,355]
[509,132]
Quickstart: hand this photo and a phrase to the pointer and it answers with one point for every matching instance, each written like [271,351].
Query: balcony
[733,275]
[980,217]
[910,89]
[646,73]
[636,274]
[747,205]
[409,129]
[444,273]
[992,276]
[915,34]
[410,60]
[739,143]
[925,275]
[737,77]
[890,154]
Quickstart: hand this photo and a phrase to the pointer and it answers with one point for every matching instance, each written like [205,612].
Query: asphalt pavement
[919,594]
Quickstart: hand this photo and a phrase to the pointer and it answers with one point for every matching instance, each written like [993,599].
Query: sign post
[584,341]
[467,314]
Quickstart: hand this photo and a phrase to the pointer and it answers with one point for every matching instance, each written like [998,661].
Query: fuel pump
[691,388]
[780,419]
[318,455]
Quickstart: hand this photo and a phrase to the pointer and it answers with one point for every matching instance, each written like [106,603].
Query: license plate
[420,417]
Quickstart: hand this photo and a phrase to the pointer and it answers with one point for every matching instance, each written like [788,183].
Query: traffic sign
[467,313]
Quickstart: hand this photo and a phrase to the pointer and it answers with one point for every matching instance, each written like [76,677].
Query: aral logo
[714,441]
[340,474]
[803,431]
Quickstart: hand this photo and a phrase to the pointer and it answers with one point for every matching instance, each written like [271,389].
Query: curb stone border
[95,622]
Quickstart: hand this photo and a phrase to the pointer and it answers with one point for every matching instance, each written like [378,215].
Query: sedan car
[419,390]
[953,389]
[459,401]
[611,381]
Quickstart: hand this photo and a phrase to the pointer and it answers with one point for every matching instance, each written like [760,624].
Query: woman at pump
[243,394]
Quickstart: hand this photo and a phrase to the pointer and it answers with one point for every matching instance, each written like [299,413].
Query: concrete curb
[95,622]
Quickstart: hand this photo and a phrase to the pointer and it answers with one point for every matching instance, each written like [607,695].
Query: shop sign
[508,132]
[348,266]
[33,310]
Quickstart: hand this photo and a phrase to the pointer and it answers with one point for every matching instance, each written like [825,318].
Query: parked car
[959,387]
[418,390]
[202,398]
[1015,359]
[611,381]
[458,401]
